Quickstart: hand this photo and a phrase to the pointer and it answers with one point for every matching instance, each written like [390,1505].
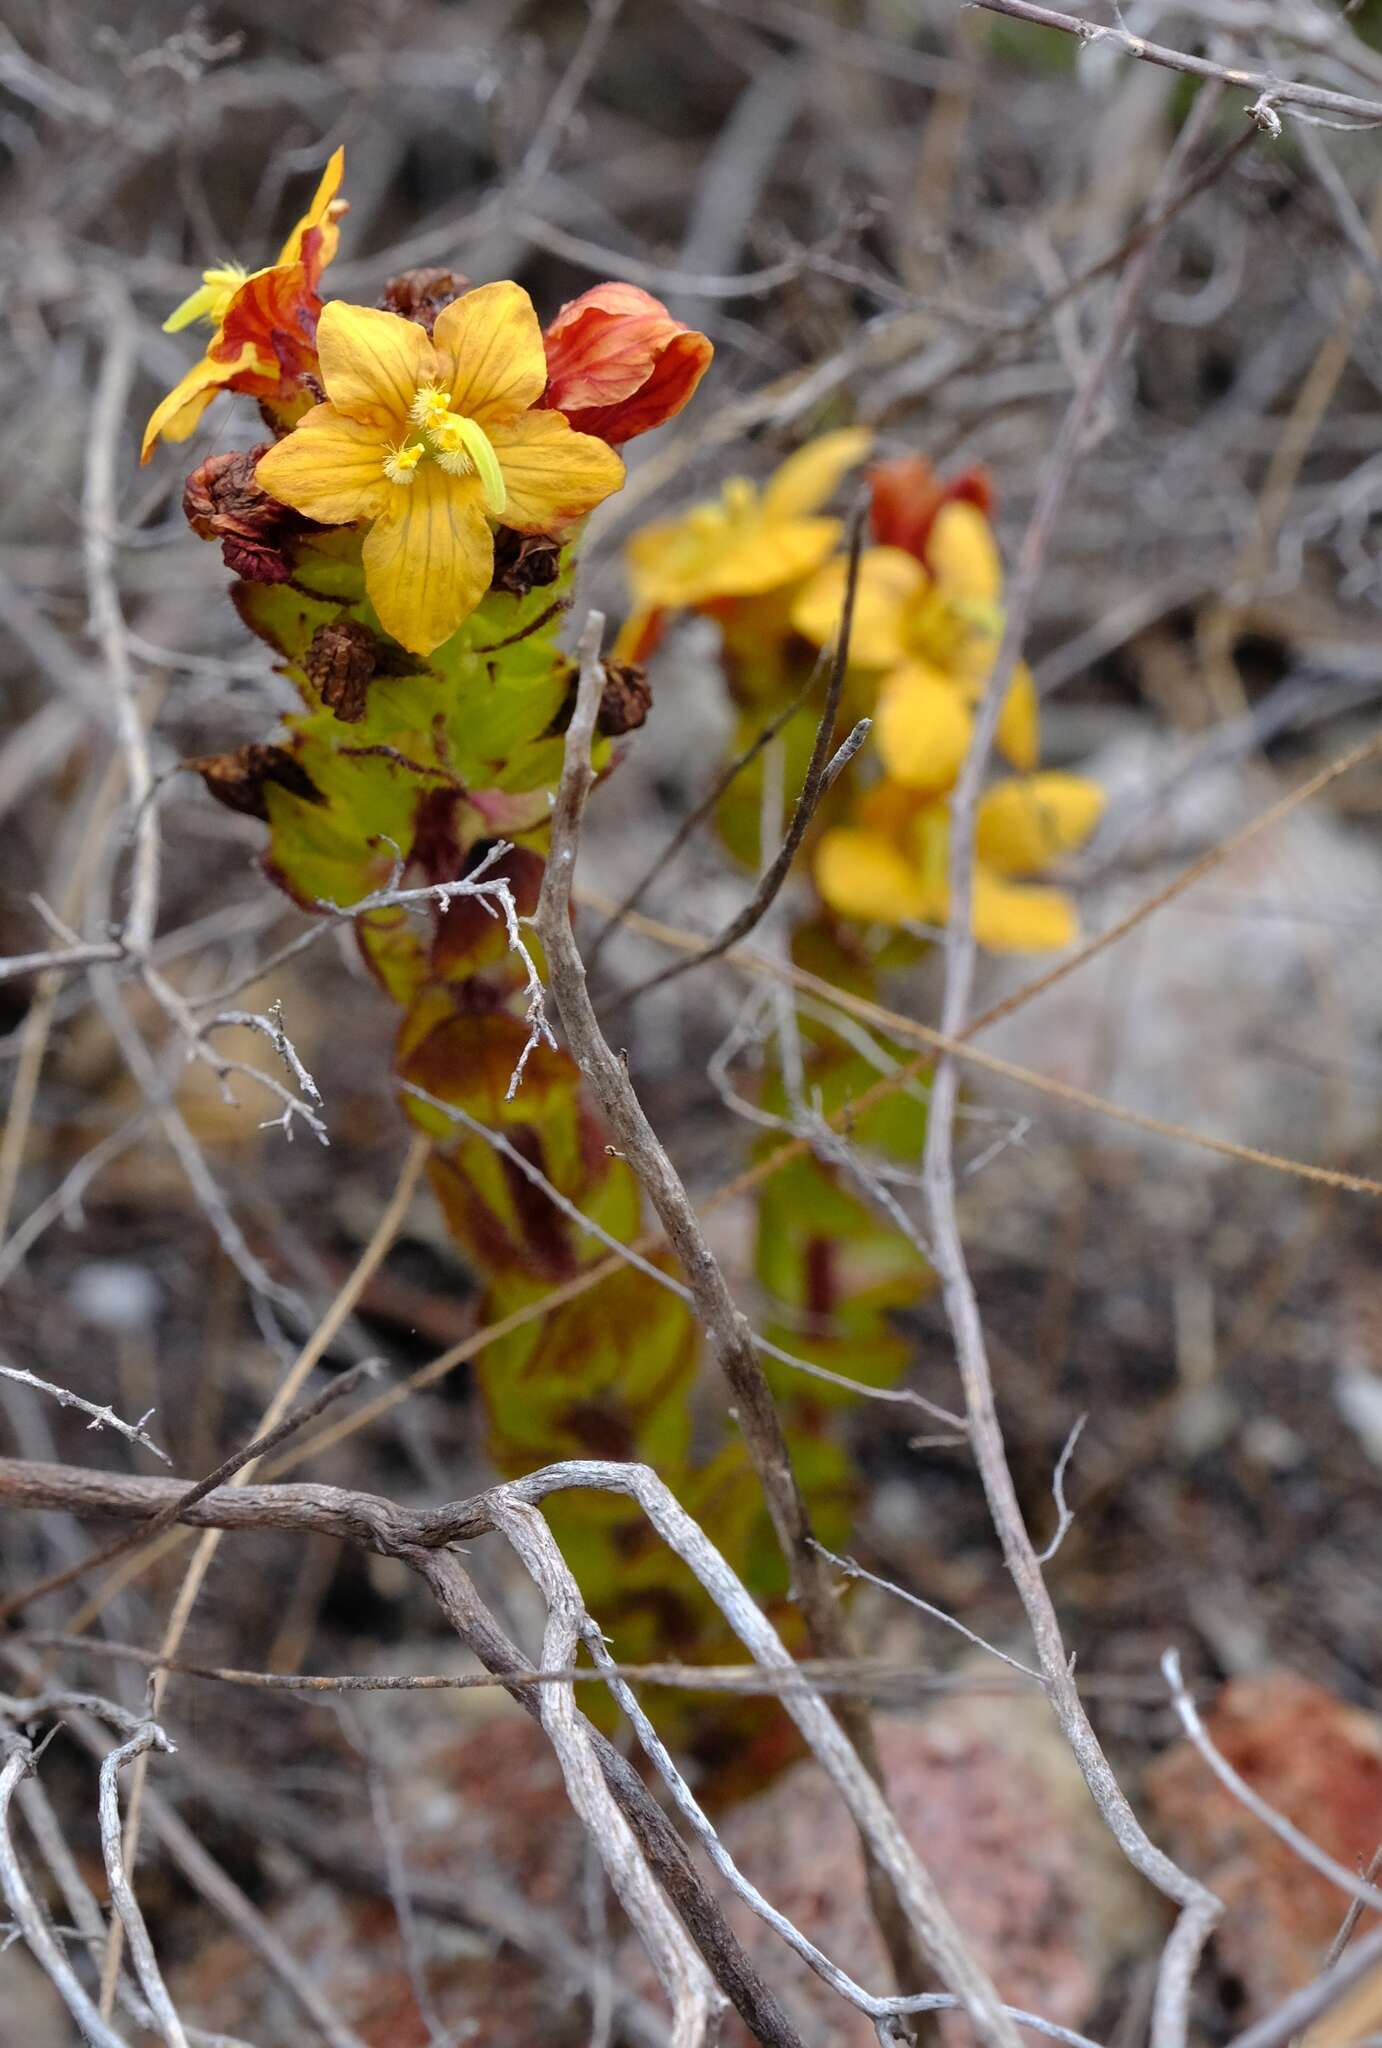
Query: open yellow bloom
[263,321]
[890,866]
[431,441]
[948,624]
[749,541]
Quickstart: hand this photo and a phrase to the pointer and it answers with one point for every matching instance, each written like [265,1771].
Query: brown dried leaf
[238,780]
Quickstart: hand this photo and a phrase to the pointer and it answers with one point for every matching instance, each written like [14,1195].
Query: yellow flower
[1026,823]
[430,441]
[890,866]
[750,541]
[949,623]
[263,321]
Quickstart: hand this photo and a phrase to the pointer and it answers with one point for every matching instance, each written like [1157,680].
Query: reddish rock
[1316,1761]
[993,1801]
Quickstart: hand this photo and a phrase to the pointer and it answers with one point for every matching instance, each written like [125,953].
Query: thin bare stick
[1306,2005]
[149,1736]
[854,1570]
[88,1920]
[695,818]
[821,771]
[1199,1909]
[728,1328]
[667,1854]
[101,1418]
[696,2000]
[30,1918]
[175,1510]
[81,955]
[630,1255]
[207,1877]
[1357,1888]
[878,1677]
[960,1047]
[387,1228]
[100,519]
[1275,92]
[1354,1913]
[1064,1516]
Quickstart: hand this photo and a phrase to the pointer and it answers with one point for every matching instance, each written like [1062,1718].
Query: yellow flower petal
[330,467]
[372,363]
[963,556]
[889,580]
[552,476]
[922,728]
[428,557]
[489,346]
[1019,722]
[319,215]
[666,561]
[808,478]
[1011,919]
[862,874]
[1026,823]
[175,417]
[768,557]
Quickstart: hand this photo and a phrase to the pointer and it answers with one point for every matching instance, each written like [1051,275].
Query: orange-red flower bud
[907,494]
[619,364]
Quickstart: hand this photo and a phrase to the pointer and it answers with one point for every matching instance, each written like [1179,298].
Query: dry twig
[1199,1909]
[731,1342]
[824,766]
[1270,92]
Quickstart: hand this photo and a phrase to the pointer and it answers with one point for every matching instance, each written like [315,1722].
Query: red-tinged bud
[907,494]
[618,363]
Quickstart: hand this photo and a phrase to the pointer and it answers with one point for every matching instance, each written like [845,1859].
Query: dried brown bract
[524,561]
[222,501]
[421,294]
[340,663]
[238,780]
[626,699]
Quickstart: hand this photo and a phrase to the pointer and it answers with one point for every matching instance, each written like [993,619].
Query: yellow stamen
[463,447]
[400,463]
[430,406]
[210,300]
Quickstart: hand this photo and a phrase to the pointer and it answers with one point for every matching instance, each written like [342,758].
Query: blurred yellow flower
[890,866]
[431,440]
[749,541]
[949,623]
